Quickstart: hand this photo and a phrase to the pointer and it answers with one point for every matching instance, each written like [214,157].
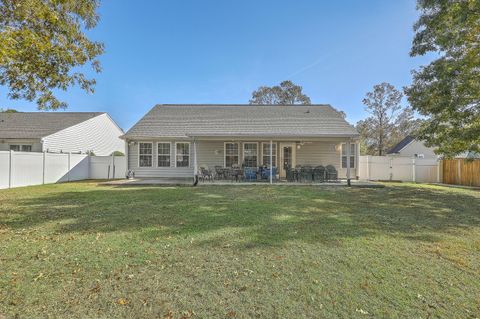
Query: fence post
[113,164]
[43,169]
[391,168]
[413,170]
[10,169]
[68,172]
[438,170]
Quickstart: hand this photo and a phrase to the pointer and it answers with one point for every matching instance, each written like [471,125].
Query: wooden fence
[461,172]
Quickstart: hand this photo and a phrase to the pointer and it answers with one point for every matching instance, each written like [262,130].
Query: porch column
[347,145]
[195,167]
[271,162]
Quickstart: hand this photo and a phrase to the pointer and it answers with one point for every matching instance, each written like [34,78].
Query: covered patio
[258,160]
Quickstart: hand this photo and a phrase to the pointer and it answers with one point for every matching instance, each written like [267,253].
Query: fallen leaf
[122,301]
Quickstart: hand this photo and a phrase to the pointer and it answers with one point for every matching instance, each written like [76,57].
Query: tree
[8,110]
[42,44]
[447,90]
[388,122]
[285,93]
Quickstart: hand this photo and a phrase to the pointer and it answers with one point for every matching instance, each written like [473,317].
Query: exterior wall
[211,153]
[36,144]
[100,135]
[417,147]
[155,171]
[324,153]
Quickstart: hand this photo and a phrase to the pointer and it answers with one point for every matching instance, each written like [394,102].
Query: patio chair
[206,174]
[250,174]
[235,173]
[331,173]
[266,173]
[298,169]
[291,174]
[319,174]
[219,172]
[306,173]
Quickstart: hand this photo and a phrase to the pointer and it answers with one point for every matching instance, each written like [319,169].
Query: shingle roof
[169,120]
[39,124]
[397,148]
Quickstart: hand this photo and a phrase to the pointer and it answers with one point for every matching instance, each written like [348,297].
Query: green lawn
[85,251]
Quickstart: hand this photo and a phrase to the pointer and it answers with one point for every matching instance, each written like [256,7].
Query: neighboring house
[410,147]
[171,140]
[60,132]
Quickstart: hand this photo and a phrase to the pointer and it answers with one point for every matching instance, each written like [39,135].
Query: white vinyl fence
[30,168]
[406,169]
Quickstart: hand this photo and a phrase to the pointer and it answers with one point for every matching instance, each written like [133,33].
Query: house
[174,140]
[60,132]
[410,147]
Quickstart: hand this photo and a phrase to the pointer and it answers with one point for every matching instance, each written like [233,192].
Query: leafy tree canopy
[285,93]
[447,91]
[42,44]
[389,121]
[8,110]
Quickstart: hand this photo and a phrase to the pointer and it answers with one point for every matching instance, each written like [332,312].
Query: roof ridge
[239,104]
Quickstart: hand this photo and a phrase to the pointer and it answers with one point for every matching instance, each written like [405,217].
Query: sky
[220,51]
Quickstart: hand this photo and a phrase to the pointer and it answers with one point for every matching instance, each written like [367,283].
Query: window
[163,153]
[353,155]
[183,154]
[266,154]
[419,156]
[231,154]
[145,154]
[20,148]
[250,152]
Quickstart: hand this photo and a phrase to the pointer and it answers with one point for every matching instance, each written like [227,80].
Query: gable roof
[401,145]
[169,120]
[39,124]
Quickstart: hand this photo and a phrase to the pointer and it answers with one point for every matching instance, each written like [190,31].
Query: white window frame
[274,154]
[354,155]
[21,146]
[151,143]
[169,154]
[225,153]
[243,152]
[189,154]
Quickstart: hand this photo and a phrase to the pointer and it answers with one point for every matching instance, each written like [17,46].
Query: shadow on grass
[249,216]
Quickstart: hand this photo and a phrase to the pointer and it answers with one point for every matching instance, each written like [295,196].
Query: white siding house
[76,132]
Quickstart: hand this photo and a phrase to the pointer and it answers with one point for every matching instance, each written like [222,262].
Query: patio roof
[241,120]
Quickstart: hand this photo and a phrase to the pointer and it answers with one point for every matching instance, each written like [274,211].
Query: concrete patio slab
[189,182]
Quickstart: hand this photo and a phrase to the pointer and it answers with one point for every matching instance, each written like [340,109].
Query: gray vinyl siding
[36,144]
[99,134]
[417,147]
[323,153]
[210,153]
[155,171]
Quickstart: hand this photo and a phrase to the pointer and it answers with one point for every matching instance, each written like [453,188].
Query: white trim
[243,151]
[276,153]
[138,160]
[351,155]
[189,154]
[170,154]
[225,153]
[293,145]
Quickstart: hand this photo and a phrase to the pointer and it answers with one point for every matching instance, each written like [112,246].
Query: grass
[80,250]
